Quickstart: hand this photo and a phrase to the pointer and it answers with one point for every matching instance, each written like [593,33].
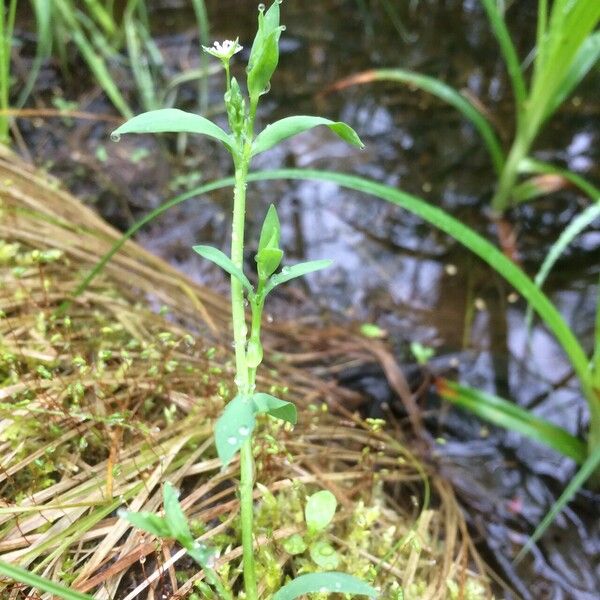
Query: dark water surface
[390,268]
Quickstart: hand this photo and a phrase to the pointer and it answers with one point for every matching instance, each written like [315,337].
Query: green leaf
[290,126]
[324,555]
[509,52]
[264,54]
[43,50]
[444,92]
[268,261]
[295,544]
[584,60]
[558,61]
[589,467]
[41,583]
[280,409]
[510,416]
[147,521]
[234,427]
[174,516]
[269,255]
[336,583]
[319,510]
[270,232]
[294,271]
[172,120]
[223,261]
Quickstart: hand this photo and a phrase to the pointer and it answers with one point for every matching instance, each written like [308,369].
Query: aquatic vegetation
[103,37]
[567,47]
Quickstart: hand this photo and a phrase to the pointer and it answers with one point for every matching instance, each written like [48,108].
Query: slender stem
[247,518]
[510,172]
[243,376]
[238,314]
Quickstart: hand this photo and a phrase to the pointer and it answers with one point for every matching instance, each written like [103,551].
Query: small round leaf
[319,511]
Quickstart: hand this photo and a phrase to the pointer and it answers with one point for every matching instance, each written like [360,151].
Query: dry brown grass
[99,407]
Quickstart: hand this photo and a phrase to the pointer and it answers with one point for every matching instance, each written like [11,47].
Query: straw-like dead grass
[101,405]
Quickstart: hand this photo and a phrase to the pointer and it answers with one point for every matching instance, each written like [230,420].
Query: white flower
[225,50]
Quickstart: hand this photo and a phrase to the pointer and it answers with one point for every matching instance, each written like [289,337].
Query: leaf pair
[238,421]
[267,261]
[173,525]
[269,255]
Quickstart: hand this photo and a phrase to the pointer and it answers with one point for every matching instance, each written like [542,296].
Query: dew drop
[323,589]
[142,559]
[232,440]
[270,318]
[338,585]
[261,7]
[243,431]
[282,27]
[115,137]
[285,270]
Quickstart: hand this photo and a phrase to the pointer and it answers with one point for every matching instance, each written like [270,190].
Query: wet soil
[390,268]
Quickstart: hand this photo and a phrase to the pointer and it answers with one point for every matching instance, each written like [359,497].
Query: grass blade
[24,576]
[96,65]
[442,91]
[584,60]
[138,60]
[585,472]
[570,24]
[433,215]
[203,34]
[508,415]
[509,53]
[43,50]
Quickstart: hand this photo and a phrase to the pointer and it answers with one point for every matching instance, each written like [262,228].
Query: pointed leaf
[270,231]
[223,261]
[175,517]
[319,510]
[268,261]
[147,521]
[338,583]
[175,121]
[41,583]
[264,54]
[294,271]
[506,414]
[234,427]
[280,409]
[290,126]
[584,60]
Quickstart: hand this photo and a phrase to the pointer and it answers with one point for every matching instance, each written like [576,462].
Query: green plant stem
[510,172]
[242,377]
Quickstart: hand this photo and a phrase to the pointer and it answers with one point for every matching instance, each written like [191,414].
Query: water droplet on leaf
[115,137]
[232,440]
[243,430]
